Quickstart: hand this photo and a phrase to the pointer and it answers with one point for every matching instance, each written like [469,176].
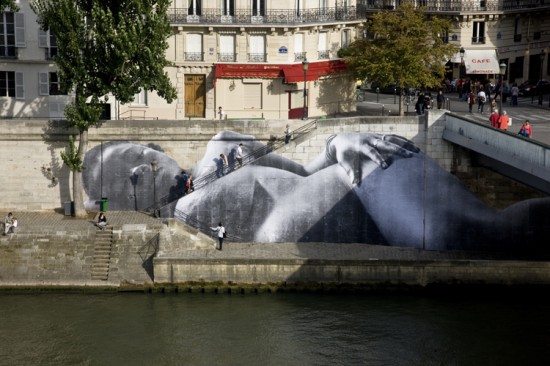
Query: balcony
[299,56]
[193,56]
[323,55]
[478,40]
[272,16]
[227,57]
[257,57]
[458,6]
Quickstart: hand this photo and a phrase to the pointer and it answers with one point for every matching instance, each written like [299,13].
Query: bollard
[377,94]
[382,109]
[394,94]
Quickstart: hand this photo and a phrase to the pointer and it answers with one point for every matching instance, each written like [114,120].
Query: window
[257,48]
[193,47]
[322,46]
[323,6]
[140,98]
[49,42]
[11,84]
[258,8]
[227,48]
[299,54]
[49,83]
[345,38]
[517,30]
[194,8]
[252,96]
[12,33]
[228,7]
[478,35]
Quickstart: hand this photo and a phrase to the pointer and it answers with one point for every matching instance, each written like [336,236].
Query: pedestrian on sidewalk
[471,100]
[440,99]
[221,234]
[526,130]
[481,99]
[223,163]
[515,93]
[493,118]
[221,113]
[503,121]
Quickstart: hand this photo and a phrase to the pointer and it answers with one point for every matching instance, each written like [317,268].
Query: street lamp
[502,69]
[462,53]
[540,79]
[305,65]
[154,169]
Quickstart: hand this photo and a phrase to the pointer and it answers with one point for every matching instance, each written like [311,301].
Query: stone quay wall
[36,179]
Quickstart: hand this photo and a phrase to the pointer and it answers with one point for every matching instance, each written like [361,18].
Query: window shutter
[19,89]
[194,43]
[322,46]
[252,96]
[257,44]
[227,44]
[298,43]
[44,87]
[42,38]
[20,30]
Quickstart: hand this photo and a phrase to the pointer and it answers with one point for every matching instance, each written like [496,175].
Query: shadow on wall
[336,95]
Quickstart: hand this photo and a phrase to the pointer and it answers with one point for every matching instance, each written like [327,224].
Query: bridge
[522,159]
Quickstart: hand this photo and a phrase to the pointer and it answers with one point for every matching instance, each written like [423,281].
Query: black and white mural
[363,188]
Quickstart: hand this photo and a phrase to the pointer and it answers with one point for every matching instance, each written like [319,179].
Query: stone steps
[102,254]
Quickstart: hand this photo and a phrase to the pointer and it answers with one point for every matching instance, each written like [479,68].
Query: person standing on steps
[221,234]
[288,134]
[239,155]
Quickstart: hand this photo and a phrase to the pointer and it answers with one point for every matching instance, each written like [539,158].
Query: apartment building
[248,56]
[491,32]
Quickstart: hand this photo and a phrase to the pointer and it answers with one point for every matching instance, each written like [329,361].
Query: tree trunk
[78,192]
[401,110]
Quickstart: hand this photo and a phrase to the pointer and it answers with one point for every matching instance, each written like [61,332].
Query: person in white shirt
[239,155]
[221,113]
[221,234]
[481,99]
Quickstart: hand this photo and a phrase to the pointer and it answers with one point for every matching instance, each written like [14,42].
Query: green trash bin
[104,201]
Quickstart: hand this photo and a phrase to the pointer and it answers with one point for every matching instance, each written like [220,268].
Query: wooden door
[195,95]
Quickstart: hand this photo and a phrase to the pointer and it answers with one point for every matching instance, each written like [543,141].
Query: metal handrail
[202,226]
[271,146]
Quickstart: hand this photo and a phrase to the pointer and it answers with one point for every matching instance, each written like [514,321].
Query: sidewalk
[538,116]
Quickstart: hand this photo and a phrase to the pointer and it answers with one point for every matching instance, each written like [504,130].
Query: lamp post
[305,65]
[539,86]
[502,69]
[154,169]
[462,53]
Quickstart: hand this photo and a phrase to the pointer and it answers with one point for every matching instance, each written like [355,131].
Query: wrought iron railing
[323,55]
[204,227]
[227,57]
[272,16]
[458,6]
[257,57]
[147,252]
[193,56]
[299,56]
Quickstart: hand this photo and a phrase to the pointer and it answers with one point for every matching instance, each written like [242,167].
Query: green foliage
[406,47]
[71,157]
[108,48]
[10,4]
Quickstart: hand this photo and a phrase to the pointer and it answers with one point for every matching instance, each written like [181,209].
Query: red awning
[294,74]
[291,72]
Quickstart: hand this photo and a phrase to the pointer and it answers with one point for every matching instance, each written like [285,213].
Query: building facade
[248,56]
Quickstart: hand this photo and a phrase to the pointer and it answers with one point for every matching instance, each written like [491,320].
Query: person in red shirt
[493,118]
[503,121]
[526,130]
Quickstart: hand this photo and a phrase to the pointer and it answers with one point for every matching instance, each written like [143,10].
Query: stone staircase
[102,254]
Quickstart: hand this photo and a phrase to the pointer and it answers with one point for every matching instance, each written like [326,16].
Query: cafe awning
[481,62]
[292,73]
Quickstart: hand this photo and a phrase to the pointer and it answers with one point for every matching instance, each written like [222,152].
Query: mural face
[363,188]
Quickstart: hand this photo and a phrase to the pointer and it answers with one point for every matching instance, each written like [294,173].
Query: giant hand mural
[363,188]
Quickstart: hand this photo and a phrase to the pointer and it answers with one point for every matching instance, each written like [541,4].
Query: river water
[466,328]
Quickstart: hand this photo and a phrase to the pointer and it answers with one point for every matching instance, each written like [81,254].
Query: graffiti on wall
[363,188]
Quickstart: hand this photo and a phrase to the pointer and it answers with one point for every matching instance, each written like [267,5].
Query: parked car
[532,87]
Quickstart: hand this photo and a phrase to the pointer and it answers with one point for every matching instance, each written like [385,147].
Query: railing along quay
[271,146]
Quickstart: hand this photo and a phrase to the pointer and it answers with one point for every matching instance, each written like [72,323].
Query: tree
[10,4]
[406,47]
[105,48]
